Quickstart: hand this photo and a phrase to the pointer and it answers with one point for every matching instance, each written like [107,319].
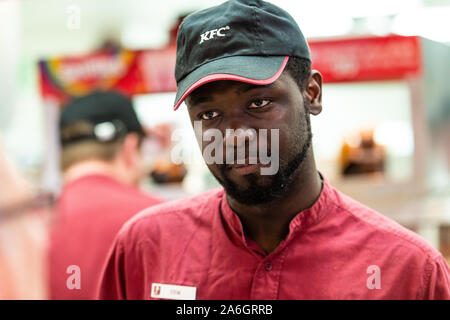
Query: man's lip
[244,169]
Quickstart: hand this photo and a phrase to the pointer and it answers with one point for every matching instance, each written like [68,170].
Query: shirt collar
[301,221]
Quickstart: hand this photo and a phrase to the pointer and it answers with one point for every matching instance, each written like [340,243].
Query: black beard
[279,183]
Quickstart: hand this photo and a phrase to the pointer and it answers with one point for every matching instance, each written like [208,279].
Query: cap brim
[250,69]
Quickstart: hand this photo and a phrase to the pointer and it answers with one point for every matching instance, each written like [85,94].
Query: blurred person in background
[23,235]
[102,166]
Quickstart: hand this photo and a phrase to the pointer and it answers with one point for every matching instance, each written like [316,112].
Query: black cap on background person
[100,132]
[102,116]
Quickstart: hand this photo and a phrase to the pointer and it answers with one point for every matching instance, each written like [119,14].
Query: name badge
[174,292]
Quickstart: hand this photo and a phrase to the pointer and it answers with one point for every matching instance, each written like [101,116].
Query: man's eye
[259,103]
[208,115]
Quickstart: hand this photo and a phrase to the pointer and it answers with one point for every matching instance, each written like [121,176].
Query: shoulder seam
[424,250]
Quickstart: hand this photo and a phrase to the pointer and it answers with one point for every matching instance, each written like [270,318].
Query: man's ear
[313,92]
[130,147]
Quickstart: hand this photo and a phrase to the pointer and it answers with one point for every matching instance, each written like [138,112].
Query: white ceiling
[145,23]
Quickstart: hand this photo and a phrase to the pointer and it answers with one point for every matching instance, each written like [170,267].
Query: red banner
[130,72]
[372,58]
[149,71]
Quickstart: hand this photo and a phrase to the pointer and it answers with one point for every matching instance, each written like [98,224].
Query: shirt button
[268,266]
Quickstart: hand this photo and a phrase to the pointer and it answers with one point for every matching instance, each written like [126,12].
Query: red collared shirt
[90,212]
[337,249]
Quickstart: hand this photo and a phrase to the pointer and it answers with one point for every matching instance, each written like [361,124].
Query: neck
[91,167]
[268,224]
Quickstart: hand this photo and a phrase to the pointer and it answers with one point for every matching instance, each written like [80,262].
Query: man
[102,166]
[287,235]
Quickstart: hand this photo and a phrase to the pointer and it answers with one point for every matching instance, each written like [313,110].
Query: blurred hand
[23,237]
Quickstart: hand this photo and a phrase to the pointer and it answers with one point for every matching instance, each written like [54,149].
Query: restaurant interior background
[383,136]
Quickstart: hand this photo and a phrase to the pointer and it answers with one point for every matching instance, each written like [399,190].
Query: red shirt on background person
[278,229]
[102,166]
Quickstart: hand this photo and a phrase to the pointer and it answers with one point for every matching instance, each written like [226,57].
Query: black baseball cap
[106,115]
[241,40]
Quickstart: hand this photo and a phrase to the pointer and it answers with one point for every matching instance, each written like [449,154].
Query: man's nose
[236,136]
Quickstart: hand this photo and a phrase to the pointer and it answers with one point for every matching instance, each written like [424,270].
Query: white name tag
[174,292]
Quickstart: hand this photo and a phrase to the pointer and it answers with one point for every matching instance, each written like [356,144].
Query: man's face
[236,105]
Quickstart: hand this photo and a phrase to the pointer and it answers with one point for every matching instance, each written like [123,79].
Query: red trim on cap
[226,76]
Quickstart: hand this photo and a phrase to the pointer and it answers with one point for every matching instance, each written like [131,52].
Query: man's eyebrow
[249,86]
[195,100]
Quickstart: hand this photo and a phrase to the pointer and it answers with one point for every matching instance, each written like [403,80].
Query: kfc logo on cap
[208,35]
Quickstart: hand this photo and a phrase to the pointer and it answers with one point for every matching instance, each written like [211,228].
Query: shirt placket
[266,280]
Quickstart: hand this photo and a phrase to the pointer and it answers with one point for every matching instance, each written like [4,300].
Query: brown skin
[232,105]
[126,166]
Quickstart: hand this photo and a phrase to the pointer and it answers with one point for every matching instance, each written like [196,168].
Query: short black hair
[299,69]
